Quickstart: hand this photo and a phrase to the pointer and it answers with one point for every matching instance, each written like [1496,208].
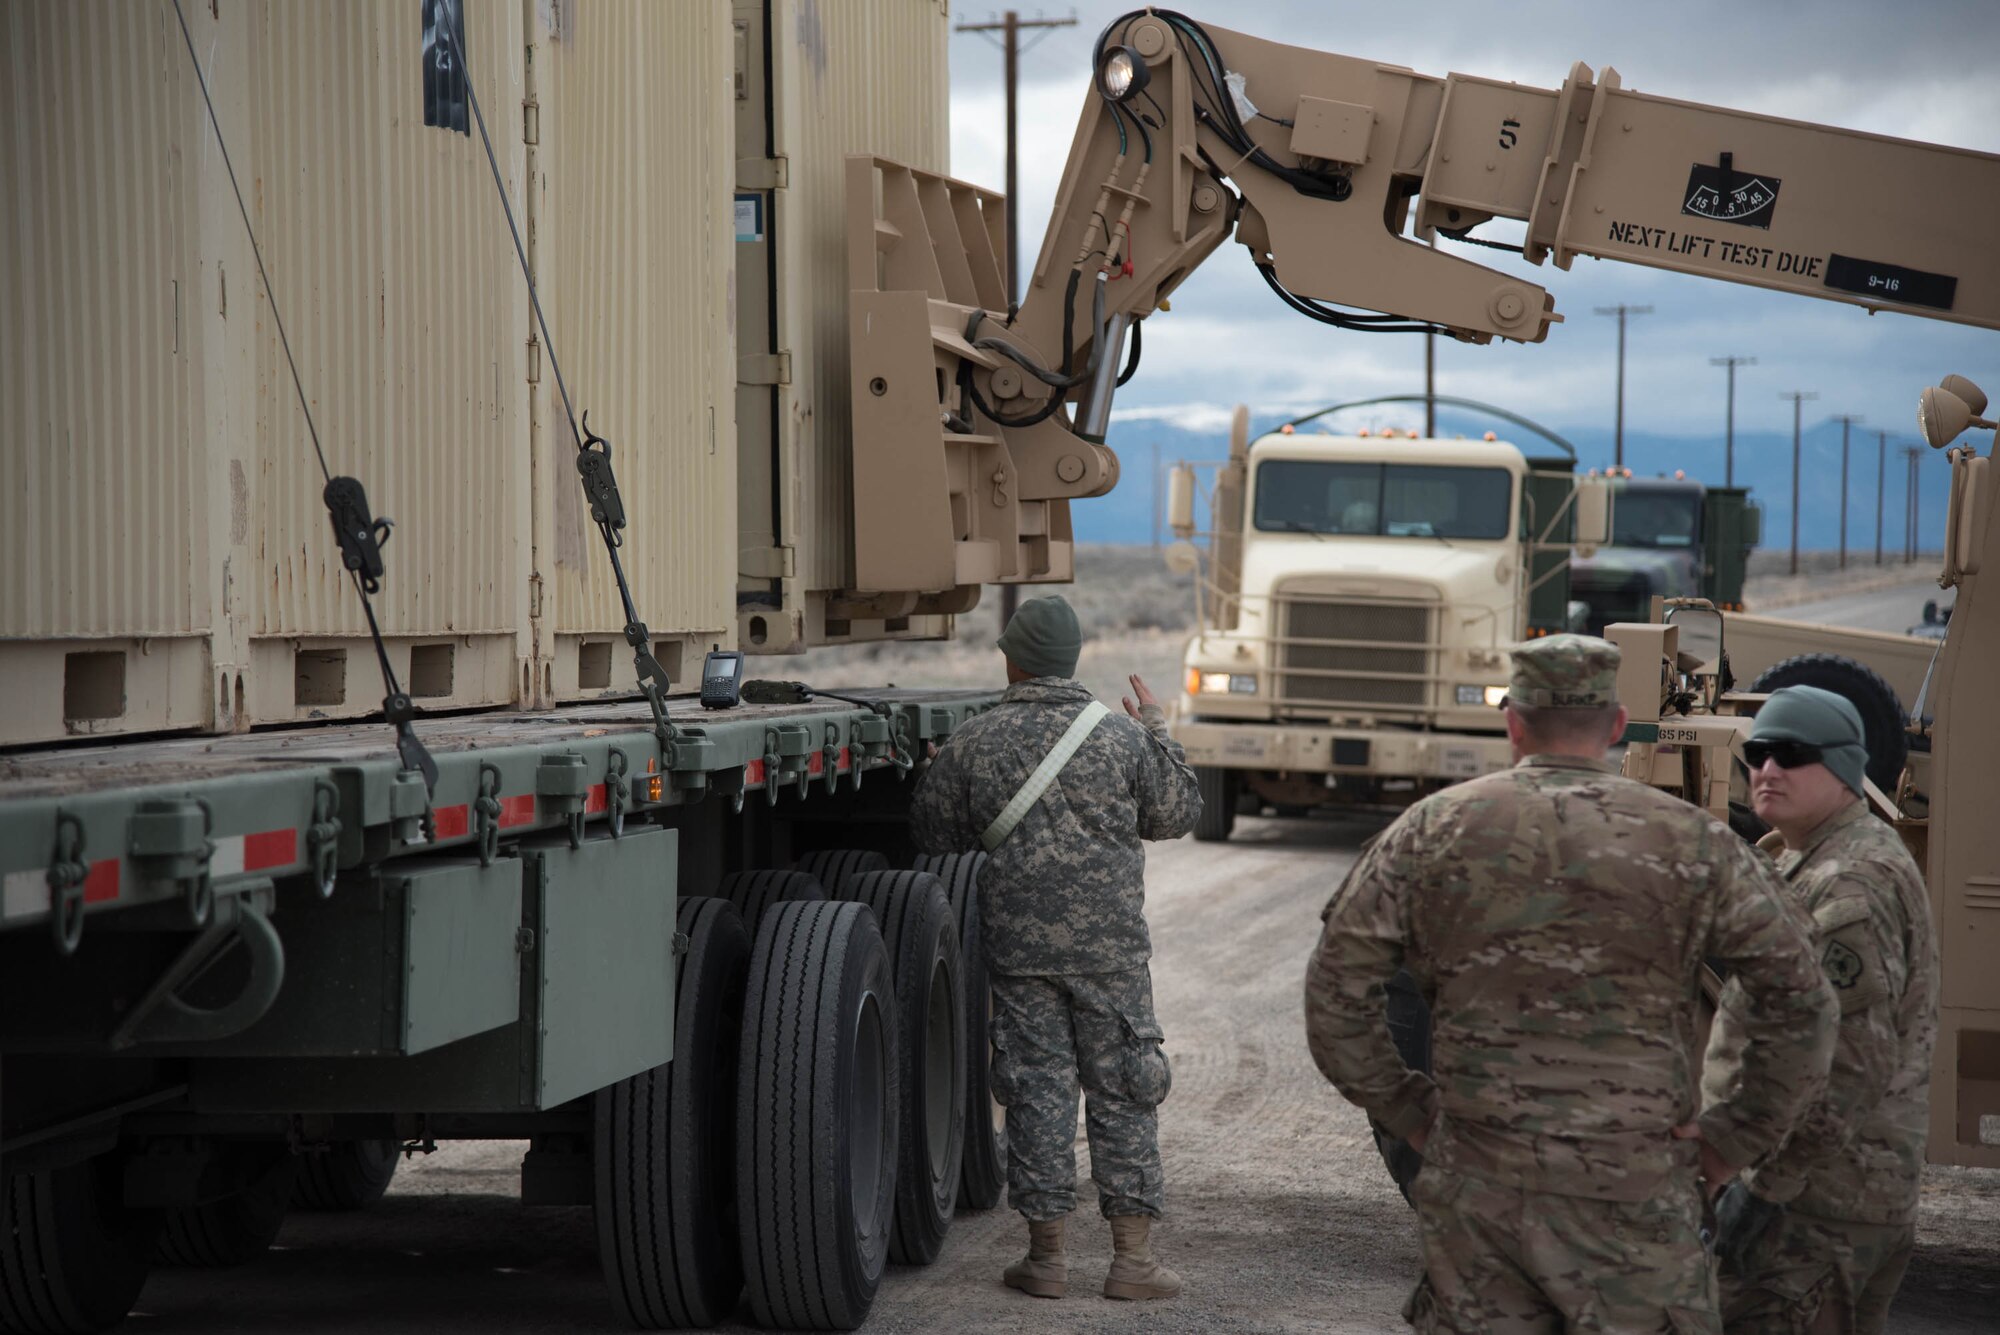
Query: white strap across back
[1044,775]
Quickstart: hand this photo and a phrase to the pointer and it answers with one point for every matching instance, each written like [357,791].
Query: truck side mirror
[1753,526]
[1593,514]
[1180,500]
[1239,431]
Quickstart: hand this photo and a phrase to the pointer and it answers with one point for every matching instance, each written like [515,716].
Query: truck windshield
[1655,519]
[1384,500]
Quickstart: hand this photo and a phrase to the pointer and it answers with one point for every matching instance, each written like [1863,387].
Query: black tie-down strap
[362,537]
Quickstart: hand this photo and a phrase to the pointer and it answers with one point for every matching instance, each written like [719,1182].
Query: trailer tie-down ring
[162,1017]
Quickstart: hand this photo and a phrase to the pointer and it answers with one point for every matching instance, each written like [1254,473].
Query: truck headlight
[1490,696]
[1221,683]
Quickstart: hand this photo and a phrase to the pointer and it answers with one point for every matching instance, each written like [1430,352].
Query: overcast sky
[1882,67]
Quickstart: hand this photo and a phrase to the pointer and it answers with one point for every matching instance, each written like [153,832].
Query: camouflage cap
[1565,672]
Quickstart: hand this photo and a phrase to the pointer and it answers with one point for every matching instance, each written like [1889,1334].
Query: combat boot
[1044,1271]
[1134,1272]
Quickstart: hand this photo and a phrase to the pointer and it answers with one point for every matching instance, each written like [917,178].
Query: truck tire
[816,1098]
[663,1145]
[237,1228]
[1218,804]
[754,892]
[834,865]
[984,1174]
[73,1256]
[347,1176]
[1882,716]
[920,932]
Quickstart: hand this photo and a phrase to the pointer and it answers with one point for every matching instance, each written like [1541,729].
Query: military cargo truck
[1355,609]
[1670,538]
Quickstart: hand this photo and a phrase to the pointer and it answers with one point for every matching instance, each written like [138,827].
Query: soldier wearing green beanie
[1822,1230]
[1061,792]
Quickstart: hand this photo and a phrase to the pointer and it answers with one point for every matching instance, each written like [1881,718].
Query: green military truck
[1671,537]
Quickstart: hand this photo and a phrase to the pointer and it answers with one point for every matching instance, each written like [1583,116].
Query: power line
[1010,26]
[1797,396]
[1621,311]
[1729,428]
[1846,420]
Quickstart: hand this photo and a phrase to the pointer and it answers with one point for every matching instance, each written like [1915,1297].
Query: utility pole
[1430,384]
[1729,429]
[1621,311]
[1797,396]
[1156,495]
[1912,453]
[1881,476]
[1846,420]
[1010,26]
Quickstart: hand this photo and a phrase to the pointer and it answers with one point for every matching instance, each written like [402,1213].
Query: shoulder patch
[1843,965]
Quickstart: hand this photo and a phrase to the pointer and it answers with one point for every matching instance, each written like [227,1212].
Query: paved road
[1892,609]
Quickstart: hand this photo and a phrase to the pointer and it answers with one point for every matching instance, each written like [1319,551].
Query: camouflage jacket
[1556,916]
[1859,1151]
[1066,892]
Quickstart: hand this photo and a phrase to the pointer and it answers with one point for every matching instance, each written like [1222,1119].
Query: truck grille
[1387,644]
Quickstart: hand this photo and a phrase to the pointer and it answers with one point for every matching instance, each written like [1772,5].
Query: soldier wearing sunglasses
[1817,1236]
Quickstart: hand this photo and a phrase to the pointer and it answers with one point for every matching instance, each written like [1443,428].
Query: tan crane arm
[1320,164]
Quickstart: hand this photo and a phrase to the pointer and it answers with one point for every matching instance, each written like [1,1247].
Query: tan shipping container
[846,77]
[170,563]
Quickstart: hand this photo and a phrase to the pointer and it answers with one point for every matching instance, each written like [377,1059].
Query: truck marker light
[656,787]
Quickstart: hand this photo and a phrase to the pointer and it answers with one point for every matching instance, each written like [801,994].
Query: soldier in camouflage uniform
[1062,920]
[1817,1236]
[1555,916]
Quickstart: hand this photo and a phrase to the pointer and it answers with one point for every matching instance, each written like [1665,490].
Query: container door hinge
[763,174]
[524,940]
[534,361]
[531,123]
[764,368]
[768,562]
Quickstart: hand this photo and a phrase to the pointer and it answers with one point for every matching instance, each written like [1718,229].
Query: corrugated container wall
[847,76]
[168,560]
[632,174]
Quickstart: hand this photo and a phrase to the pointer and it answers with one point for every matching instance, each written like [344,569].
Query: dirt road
[1281,1218]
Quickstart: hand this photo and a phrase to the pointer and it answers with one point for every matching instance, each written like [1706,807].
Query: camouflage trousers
[1512,1262]
[1818,1275]
[1052,1033]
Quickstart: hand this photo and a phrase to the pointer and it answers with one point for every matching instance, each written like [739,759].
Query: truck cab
[1361,595]
[1671,537]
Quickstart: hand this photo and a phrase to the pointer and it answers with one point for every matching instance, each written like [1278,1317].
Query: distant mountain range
[1763,463]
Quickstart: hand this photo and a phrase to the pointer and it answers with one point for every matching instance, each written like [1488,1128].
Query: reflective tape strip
[24,892]
[517,811]
[235,853]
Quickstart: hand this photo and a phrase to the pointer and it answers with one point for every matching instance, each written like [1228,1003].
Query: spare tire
[834,865]
[663,1144]
[921,934]
[984,1175]
[817,1089]
[754,892]
[1882,715]
[347,1175]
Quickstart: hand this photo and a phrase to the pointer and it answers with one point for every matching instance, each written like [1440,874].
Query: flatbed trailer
[238,971]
